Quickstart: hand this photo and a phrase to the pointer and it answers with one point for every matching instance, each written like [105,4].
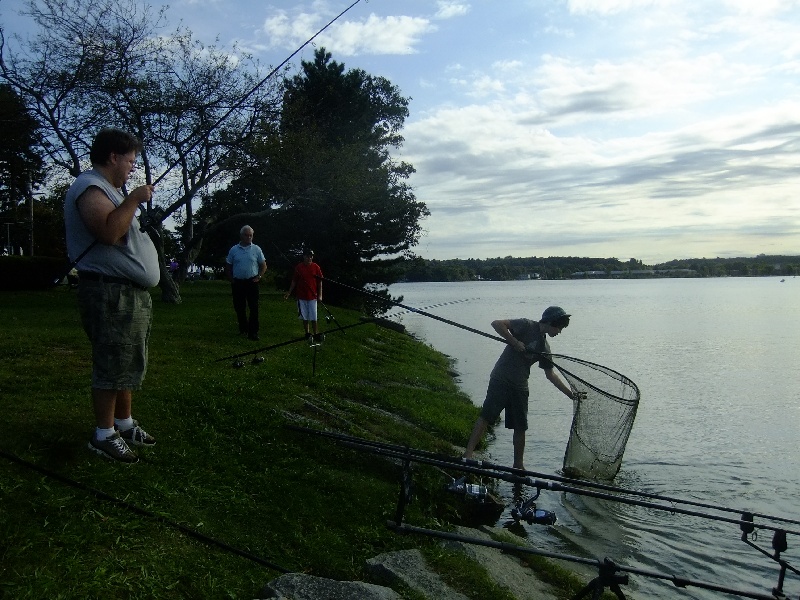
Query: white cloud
[373,35]
[451,8]
[610,7]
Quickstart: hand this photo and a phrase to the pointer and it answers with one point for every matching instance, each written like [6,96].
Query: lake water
[717,363]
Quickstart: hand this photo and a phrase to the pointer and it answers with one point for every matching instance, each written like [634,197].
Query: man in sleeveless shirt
[508,382]
[114,278]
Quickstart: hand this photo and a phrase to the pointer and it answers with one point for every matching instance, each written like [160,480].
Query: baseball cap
[551,313]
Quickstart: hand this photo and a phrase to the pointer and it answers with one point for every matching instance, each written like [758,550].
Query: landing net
[603,414]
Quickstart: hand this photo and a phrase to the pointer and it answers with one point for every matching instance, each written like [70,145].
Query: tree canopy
[304,158]
[108,64]
[323,176]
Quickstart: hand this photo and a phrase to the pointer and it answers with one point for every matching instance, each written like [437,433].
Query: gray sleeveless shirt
[134,257]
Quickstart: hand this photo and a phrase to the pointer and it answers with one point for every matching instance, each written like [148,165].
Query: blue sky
[628,128]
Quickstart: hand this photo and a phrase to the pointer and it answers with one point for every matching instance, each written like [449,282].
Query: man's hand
[142,194]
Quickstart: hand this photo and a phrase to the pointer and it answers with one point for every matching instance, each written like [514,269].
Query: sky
[646,129]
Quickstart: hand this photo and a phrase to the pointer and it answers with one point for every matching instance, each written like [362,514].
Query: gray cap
[551,313]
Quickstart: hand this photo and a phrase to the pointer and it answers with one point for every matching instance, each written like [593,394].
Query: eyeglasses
[132,161]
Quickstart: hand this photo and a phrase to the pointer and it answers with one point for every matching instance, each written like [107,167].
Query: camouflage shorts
[117,318]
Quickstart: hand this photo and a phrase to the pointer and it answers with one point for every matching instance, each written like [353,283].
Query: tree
[21,166]
[323,176]
[93,65]
[20,163]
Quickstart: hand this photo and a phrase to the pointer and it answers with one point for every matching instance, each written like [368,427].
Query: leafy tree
[20,162]
[21,168]
[323,176]
[100,64]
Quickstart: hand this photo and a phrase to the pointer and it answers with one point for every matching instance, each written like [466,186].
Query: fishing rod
[542,481]
[498,338]
[287,342]
[160,518]
[448,303]
[156,216]
[416,310]
[746,524]
[607,568]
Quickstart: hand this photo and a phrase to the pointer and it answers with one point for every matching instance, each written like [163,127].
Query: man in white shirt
[245,266]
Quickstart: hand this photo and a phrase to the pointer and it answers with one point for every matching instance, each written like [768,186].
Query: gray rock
[296,586]
[506,570]
[410,568]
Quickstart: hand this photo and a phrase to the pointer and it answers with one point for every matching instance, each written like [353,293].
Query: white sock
[101,434]
[124,424]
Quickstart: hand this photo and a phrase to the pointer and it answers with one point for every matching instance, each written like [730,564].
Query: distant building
[635,273]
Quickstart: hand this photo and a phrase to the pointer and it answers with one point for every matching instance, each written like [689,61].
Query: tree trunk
[170,293]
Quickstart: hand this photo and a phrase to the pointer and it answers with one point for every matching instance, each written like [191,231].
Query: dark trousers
[245,295]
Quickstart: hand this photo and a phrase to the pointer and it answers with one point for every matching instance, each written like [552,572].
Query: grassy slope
[226,465]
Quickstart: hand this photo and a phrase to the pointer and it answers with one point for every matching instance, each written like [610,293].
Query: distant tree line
[566,267]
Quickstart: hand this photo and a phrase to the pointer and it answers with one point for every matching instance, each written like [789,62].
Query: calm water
[716,361]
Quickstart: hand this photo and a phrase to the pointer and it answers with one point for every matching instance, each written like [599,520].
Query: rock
[409,567]
[296,586]
[504,569]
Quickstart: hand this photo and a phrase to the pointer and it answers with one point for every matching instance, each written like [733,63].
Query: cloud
[373,35]
[451,8]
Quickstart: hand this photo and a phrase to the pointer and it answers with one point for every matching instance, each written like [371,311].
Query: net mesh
[603,415]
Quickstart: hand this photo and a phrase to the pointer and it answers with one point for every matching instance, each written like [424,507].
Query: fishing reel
[525,510]
[151,218]
[470,491]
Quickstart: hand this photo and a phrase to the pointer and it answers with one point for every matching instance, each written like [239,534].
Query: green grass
[225,465]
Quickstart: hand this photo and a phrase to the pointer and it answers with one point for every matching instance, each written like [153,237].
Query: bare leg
[122,409]
[475,437]
[109,404]
[519,448]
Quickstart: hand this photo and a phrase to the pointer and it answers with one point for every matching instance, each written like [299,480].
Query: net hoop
[604,408]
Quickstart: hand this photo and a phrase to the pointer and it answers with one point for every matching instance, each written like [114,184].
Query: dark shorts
[117,318]
[499,397]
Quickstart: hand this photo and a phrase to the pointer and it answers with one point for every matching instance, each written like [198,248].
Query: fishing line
[159,215]
[417,310]
[448,303]
[176,204]
[141,511]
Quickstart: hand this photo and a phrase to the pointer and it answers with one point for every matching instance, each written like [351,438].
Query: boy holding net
[508,382]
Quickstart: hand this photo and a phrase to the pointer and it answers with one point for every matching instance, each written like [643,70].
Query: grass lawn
[230,497]
[267,498]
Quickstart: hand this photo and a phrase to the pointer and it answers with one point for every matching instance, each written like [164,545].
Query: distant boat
[782,280]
